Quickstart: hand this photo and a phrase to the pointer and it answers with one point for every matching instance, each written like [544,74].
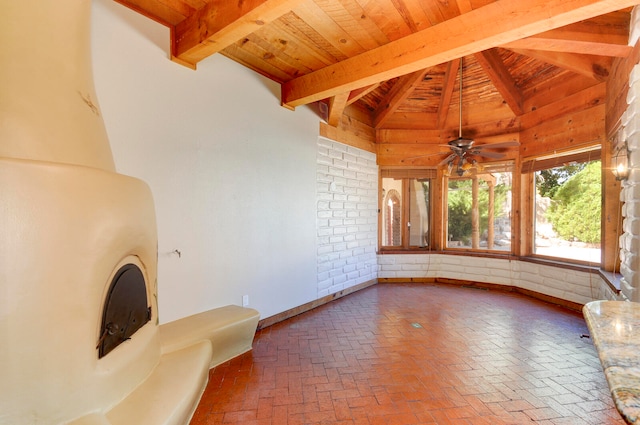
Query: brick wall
[572,285]
[630,194]
[347,226]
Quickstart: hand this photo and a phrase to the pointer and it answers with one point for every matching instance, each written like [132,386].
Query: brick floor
[400,354]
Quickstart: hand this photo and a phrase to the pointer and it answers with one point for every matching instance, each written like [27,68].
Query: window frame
[405,176]
[533,164]
[522,208]
[496,166]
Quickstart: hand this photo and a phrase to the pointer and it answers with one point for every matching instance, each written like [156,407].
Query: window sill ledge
[557,262]
[612,279]
[411,251]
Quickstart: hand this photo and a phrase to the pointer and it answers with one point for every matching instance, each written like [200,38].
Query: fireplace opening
[126,309]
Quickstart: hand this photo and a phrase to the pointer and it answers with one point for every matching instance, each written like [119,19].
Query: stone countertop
[615,330]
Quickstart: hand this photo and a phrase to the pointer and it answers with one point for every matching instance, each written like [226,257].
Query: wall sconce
[620,162]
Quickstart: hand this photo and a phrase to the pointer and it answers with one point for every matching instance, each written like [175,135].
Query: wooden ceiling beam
[447,91]
[492,64]
[396,96]
[358,94]
[610,28]
[571,46]
[336,107]
[489,26]
[595,67]
[464,6]
[219,24]
[605,35]
[167,15]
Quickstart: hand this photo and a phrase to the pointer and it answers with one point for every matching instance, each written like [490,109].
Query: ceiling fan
[463,150]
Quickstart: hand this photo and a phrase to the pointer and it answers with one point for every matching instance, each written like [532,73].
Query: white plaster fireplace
[71,227]
[71,223]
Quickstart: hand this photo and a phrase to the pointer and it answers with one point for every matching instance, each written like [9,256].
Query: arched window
[392,219]
[405,208]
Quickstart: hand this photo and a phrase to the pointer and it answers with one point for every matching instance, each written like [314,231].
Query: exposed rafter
[447,91]
[605,40]
[401,90]
[501,79]
[606,35]
[336,107]
[361,92]
[494,24]
[570,46]
[595,67]
[219,24]
[364,61]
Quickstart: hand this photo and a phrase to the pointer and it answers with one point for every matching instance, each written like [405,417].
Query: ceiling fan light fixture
[468,165]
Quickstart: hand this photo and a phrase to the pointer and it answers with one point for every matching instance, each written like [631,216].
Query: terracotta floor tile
[426,354]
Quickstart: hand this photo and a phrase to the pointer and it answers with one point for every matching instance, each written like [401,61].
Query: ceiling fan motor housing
[461,143]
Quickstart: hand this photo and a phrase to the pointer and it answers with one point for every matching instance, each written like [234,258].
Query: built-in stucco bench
[615,329]
[230,330]
[190,347]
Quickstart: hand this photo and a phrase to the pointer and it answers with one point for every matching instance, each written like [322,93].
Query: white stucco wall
[232,173]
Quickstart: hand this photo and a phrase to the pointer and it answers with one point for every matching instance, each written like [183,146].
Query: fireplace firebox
[126,309]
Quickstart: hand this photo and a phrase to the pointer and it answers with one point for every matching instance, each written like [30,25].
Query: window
[567,208]
[392,217]
[479,209]
[556,212]
[406,208]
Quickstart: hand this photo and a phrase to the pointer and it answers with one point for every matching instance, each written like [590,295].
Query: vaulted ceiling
[397,62]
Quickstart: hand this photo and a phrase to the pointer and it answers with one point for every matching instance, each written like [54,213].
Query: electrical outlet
[245,300]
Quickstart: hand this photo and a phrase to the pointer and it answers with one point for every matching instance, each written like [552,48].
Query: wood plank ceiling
[396,62]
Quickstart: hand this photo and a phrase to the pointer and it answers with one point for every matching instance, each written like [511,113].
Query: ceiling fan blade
[486,154]
[499,145]
[447,159]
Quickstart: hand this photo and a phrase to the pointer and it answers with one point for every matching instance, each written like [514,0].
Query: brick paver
[416,354]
